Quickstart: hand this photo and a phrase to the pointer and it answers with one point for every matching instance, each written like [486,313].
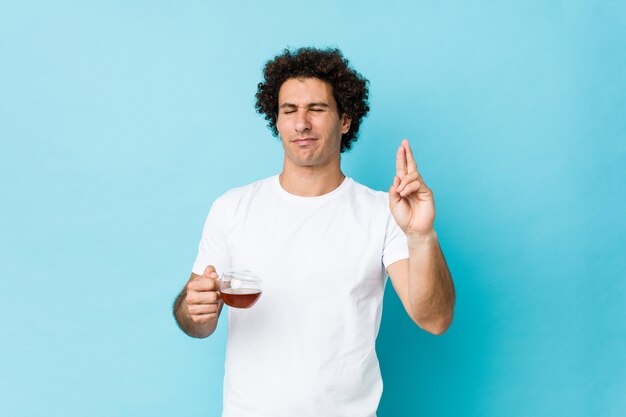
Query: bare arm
[424,284]
[198,306]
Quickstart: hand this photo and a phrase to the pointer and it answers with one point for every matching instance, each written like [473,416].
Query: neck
[312,181]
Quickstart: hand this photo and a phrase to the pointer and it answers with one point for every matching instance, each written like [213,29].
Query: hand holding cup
[203,299]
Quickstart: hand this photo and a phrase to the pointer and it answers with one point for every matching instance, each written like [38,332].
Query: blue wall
[120,122]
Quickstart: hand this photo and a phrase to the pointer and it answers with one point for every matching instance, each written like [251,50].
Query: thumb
[394,196]
[208,271]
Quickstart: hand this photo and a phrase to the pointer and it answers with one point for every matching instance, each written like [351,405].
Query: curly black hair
[349,88]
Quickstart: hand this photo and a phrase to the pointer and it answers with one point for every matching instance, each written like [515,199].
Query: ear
[345,123]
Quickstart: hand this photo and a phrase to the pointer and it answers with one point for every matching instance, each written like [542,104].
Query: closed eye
[318,107]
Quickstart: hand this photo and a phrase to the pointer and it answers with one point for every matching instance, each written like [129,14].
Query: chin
[305,163]
[304,160]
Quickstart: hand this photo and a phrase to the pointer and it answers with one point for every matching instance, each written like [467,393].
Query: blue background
[121,121]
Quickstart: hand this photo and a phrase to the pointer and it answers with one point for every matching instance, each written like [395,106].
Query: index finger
[201,284]
[410,160]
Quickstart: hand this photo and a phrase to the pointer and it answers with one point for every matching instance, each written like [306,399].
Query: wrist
[421,238]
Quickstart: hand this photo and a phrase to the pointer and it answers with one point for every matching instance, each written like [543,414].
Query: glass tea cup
[240,288]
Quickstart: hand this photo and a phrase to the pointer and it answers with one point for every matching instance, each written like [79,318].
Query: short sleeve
[213,248]
[396,247]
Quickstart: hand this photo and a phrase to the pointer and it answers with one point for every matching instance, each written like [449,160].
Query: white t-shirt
[307,347]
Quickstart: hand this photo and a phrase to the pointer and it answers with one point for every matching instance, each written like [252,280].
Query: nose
[302,121]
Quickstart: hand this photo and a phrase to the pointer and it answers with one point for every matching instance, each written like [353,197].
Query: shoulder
[237,195]
[368,203]
[244,190]
[366,194]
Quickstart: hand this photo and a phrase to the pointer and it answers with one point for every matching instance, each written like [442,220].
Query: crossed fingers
[409,177]
[405,162]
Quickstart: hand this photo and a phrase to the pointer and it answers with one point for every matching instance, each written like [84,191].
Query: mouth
[304,141]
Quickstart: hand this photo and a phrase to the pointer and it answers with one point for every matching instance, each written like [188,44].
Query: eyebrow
[317,104]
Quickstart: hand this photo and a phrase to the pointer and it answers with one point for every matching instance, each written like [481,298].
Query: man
[321,243]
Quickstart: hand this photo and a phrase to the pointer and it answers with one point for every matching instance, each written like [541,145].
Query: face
[309,123]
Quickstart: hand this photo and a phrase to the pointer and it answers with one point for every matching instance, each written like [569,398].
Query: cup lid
[242,274]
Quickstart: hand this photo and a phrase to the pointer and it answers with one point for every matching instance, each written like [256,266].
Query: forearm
[431,290]
[186,323]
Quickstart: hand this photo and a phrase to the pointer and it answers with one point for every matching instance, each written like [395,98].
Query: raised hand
[411,202]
